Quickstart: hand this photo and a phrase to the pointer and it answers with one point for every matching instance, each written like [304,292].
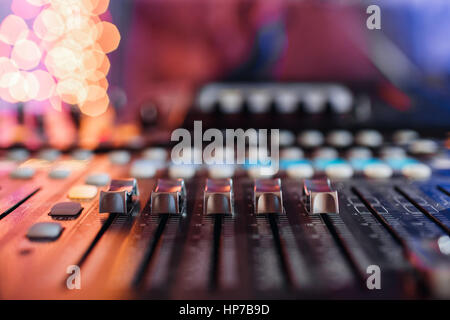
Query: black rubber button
[44,231]
[66,209]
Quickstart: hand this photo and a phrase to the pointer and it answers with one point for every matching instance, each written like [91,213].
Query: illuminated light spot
[12,79]
[62,62]
[101,82]
[72,91]
[85,35]
[45,47]
[38,3]
[46,85]
[25,88]
[101,7]
[99,28]
[26,54]
[91,61]
[32,86]
[96,92]
[95,108]
[88,6]
[24,9]
[13,29]
[76,22]
[109,38]
[95,76]
[69,10]
[49,25]
[72,45]
[96,7]
[7,70]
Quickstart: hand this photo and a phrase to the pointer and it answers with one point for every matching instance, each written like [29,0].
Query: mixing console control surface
[203,237]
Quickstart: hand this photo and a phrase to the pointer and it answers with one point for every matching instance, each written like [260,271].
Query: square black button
[66,209]
[44,231]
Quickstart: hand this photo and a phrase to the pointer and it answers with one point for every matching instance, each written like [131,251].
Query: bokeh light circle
[12,29]
[26,54]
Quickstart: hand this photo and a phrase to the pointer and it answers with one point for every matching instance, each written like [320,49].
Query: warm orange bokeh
[55,51]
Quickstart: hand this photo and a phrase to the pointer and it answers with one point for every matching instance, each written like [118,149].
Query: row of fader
[169,197]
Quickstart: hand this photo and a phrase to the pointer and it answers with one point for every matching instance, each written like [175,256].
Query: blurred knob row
[283,98]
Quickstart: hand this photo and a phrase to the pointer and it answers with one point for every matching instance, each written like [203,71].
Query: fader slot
[106,224]
[284,267]
[421,204]
[331,221]
[416,232]
[379,217]
[102,235]
[91,216]
[219,208]
[166,260]
[287,264]
[435,197]
[400,269]
[130,243]
[376,242]
[211,239]
[142,271]
[444,189]
[268,201]
[121,251]
[192,274]
[292,260]
[267,275]
[328,269]
[323,200]
[12,201]
[216,248]
[364,243]
[265,250]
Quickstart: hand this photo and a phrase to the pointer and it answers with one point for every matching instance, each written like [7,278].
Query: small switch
[169,197]
[218,196]
[182,171]
[120,197]
[24,173]
[268,197]
[59,173]
[320,197]
[98,179]
[369,138]
[143,169]
[310,138]
[82,192]
[119,157]
[44,231]
[18,155]
[155,154]
[49,154]
[82,154]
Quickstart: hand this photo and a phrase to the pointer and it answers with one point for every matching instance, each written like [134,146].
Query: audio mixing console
[128,223]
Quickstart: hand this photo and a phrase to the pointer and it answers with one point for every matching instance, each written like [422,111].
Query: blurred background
[163,51]
[188,43]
